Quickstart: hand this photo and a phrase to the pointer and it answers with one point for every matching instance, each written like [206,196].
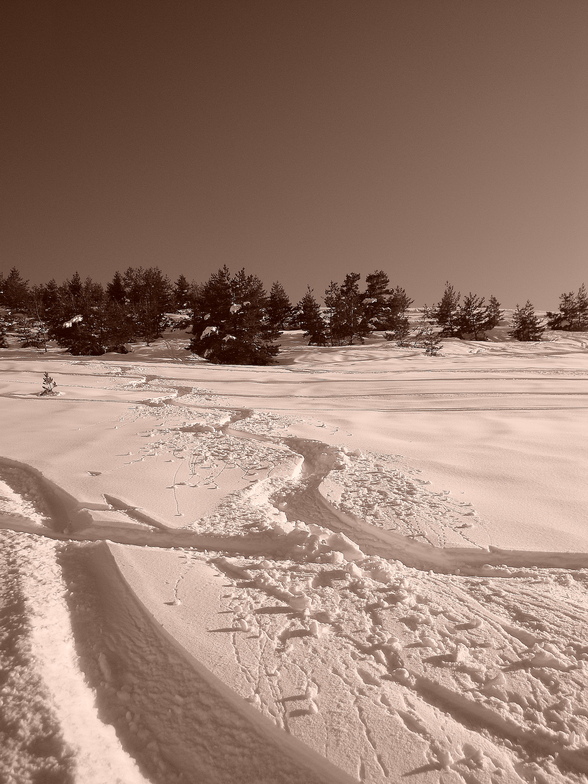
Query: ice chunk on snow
[545,658]
[299,602]
[344,545]
[353,570]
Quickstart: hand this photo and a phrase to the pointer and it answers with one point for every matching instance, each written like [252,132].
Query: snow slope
[362,564]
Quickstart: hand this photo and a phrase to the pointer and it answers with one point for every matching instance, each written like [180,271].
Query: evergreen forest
[232,319]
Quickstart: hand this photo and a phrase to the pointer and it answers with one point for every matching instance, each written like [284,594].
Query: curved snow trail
[91,751]
[175,717]
[49,511]
[32,746]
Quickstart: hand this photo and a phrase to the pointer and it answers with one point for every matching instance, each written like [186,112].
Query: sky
[301,139]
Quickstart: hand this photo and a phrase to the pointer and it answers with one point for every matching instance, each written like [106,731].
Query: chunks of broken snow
[547,655]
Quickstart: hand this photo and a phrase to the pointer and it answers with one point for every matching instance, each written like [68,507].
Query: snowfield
[362,564]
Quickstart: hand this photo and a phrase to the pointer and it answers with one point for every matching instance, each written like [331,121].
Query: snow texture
[361,565]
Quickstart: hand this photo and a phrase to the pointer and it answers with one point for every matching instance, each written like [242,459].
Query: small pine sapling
[428,338]
[48,385]
[400,333]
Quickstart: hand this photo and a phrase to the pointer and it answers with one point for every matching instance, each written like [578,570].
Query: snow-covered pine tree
[310,319]
[279,307]
[526,325]
[230,323]
[374,303]
[32,332]
[5,326]
[76,318]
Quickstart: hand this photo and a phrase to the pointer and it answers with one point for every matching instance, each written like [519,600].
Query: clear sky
[302,139]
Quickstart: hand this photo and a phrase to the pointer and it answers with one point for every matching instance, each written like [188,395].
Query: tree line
[233,320]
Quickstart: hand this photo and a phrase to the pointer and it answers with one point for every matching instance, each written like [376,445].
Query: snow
[363,564]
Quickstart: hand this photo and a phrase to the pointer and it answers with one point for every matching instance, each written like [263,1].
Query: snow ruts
[299,497]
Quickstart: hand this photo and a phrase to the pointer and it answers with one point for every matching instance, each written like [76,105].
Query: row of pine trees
[234,321]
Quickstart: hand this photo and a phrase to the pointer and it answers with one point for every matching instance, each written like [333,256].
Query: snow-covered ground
[362,564]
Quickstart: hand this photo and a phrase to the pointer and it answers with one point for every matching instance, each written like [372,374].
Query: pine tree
[375,309]
[310,319]
[493,313]
[581,309]
[83,335]
[345,311]
[48,385]
[115,290]
[428,337]
[400,333]
[573,312]
[32,332]
[72,290]
[50,308]
[230,321]
[472,319]
[117,327]
[14,292]
[5,326]
[446,314]
[149,295]
[526,325]
[76,313]
[183,294]
[279,307]
[383,308]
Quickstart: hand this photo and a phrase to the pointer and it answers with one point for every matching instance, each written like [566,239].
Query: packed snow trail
[31,743]
[50,727]
[301,494]
[173,715]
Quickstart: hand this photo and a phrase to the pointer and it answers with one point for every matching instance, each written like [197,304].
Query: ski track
[474,654]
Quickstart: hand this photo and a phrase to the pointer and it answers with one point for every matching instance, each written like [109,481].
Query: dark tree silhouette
[279,307]
[14,291]
[344,304]
[230,323]
[447,312]
[310,319]
[526,325]
[572,315]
